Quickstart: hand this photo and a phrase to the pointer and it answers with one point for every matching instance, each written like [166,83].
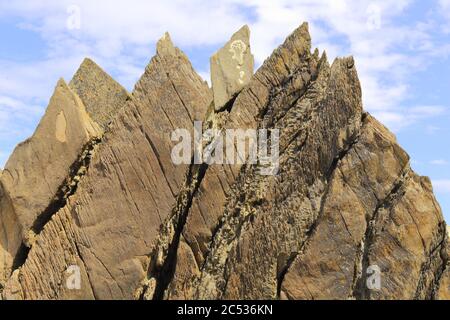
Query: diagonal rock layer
[96,190]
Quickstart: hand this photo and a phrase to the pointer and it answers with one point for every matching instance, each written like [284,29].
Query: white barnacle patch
[238,48]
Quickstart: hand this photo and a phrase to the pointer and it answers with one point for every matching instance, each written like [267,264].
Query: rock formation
[35,176]
[95,189]
[101,95]
[231,68]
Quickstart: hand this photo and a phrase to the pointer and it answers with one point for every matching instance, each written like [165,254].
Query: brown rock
[209,204]
[344,217]
[101,94]
[330,263]
[38,168]
[309,232]
[443,292]
[127,192]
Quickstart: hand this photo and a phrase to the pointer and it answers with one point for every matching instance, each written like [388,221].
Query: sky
[401,48]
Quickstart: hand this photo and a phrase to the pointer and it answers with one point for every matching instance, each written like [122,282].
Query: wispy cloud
[398,118]
[432,129]
[441,186]
[445,10]
[439,162]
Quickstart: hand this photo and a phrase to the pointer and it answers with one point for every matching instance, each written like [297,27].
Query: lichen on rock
[95,190]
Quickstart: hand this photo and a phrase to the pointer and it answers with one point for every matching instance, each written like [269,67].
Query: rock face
[101,95]
[345,217]
[36,171]
[45,170]
[110,225]
[231,68]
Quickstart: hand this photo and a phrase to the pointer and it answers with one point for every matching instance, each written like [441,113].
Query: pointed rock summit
[37,170]
[165,46]
[231,67]
[45,169]
[111,224]
[101,94]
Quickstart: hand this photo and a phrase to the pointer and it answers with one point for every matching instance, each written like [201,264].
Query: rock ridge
[95,188]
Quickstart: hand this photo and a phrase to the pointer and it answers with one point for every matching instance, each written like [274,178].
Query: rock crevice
[96,189]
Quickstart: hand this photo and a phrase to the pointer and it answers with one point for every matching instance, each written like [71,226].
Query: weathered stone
[331,262]
[129,188]
[231,68]
[101,94]
[309,232]
[187,270]
[36,171]
[444,282]
[345,202]
[44,169]
[209,203]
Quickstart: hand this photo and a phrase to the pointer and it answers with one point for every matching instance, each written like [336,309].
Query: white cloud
[109,29]
[445,10]
[445,3]
[441,186]
[399,119]
[110,25]
[431,129]
[439,162]
[115,34]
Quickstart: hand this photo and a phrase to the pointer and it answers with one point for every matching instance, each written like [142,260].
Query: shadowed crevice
[165,273]
[360,290]
[68,188]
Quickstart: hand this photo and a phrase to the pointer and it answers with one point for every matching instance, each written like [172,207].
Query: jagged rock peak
[165,46]
[343,203]
[130,166]
[170,66]
[37,171]
[231,67]
[100,93]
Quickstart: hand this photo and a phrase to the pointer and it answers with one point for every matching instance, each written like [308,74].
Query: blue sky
[402,51]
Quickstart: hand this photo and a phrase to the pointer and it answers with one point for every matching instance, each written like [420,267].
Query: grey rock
[231,67]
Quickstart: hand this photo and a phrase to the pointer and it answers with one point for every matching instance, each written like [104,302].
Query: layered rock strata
[343,217]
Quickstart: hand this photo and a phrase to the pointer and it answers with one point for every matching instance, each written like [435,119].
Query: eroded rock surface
[37,170]
[45,169]
[101,94]
[110,225]
[231,68]
[344,206]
